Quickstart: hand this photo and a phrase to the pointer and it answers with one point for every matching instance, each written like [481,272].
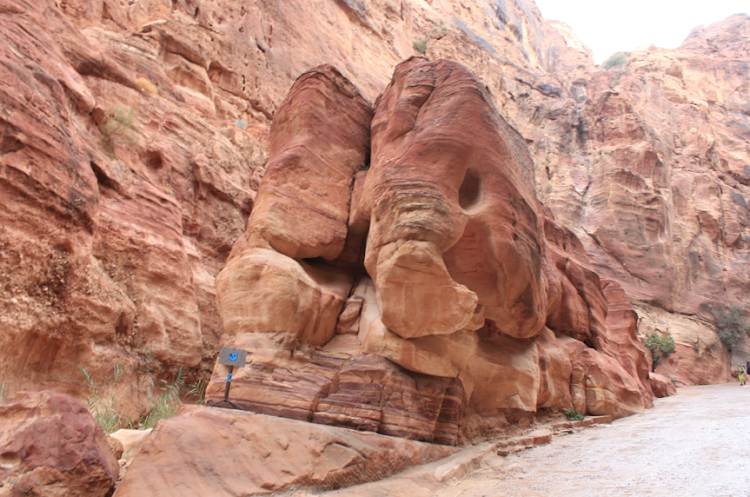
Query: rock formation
[398,273]
[649,168]
[51,446]
[134,136]
[259,455]
[486,304]
[117,207]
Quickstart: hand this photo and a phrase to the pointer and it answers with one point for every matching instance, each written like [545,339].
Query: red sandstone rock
[109,248]
[210,451]
[118,207]
[622,324]
[442,223]
[319,140]
[576,305]
[276,305]
[661,385]
[450,195]
[649,171]
[599,385]
[51,446]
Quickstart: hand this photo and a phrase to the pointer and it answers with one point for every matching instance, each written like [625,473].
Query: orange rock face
[473,302]
[654,182]
[454,237]
[119,203]
[134,137]
[232,453]
[661,385]
[50,445]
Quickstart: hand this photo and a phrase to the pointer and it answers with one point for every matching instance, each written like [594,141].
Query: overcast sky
[608,27]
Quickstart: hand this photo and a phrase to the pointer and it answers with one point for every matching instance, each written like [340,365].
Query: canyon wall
[134,137]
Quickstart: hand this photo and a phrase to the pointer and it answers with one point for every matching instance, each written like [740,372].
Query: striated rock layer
[447,293]
[649,167]
[134,135]
[231,453]
[120,198]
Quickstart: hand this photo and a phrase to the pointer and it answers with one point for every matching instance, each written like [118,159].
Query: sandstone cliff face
[121,197]
[656,183]
[133,137]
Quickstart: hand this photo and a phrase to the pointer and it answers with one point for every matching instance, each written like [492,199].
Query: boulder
[50,446]
[661,385]
[219,452]
[319,140]
[599,385]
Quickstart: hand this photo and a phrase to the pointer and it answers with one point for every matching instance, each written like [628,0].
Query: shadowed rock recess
[399,276]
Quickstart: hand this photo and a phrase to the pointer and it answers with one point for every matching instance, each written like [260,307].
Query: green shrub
[104,411]
[616,60]
[163,400]
[165,403]
[421,46]
[659,346]
[730,324]
[119,127]
[573,415]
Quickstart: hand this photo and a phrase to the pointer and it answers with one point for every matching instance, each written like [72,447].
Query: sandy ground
[696,443]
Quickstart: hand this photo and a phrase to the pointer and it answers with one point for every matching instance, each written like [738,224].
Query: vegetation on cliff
[660,347]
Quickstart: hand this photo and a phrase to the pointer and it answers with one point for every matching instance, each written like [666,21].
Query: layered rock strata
[468,299]
[649,167]
[133,136]
[120,198]
[228,453]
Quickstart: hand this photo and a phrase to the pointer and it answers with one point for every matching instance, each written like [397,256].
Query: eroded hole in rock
[215,72]
[470,190]
[101,177]
[123,329]
[154,160]
[10,144]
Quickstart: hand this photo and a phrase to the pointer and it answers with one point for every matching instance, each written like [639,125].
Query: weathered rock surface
[50,446]
[120,199]
[450,197]
[699,354]
[650,174]
[131,442]
[114,225]
[661,385]
[218,452]
[272,300]
[474,303]
[319,139]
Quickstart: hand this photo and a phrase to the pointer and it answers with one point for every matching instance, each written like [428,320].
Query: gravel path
[696,443]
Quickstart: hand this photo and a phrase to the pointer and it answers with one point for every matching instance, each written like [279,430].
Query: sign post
[230,357]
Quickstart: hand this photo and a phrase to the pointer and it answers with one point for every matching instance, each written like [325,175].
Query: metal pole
[229,382]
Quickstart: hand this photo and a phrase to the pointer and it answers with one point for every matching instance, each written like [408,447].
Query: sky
[608,27]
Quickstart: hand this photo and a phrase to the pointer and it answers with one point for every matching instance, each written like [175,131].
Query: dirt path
[696,443]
